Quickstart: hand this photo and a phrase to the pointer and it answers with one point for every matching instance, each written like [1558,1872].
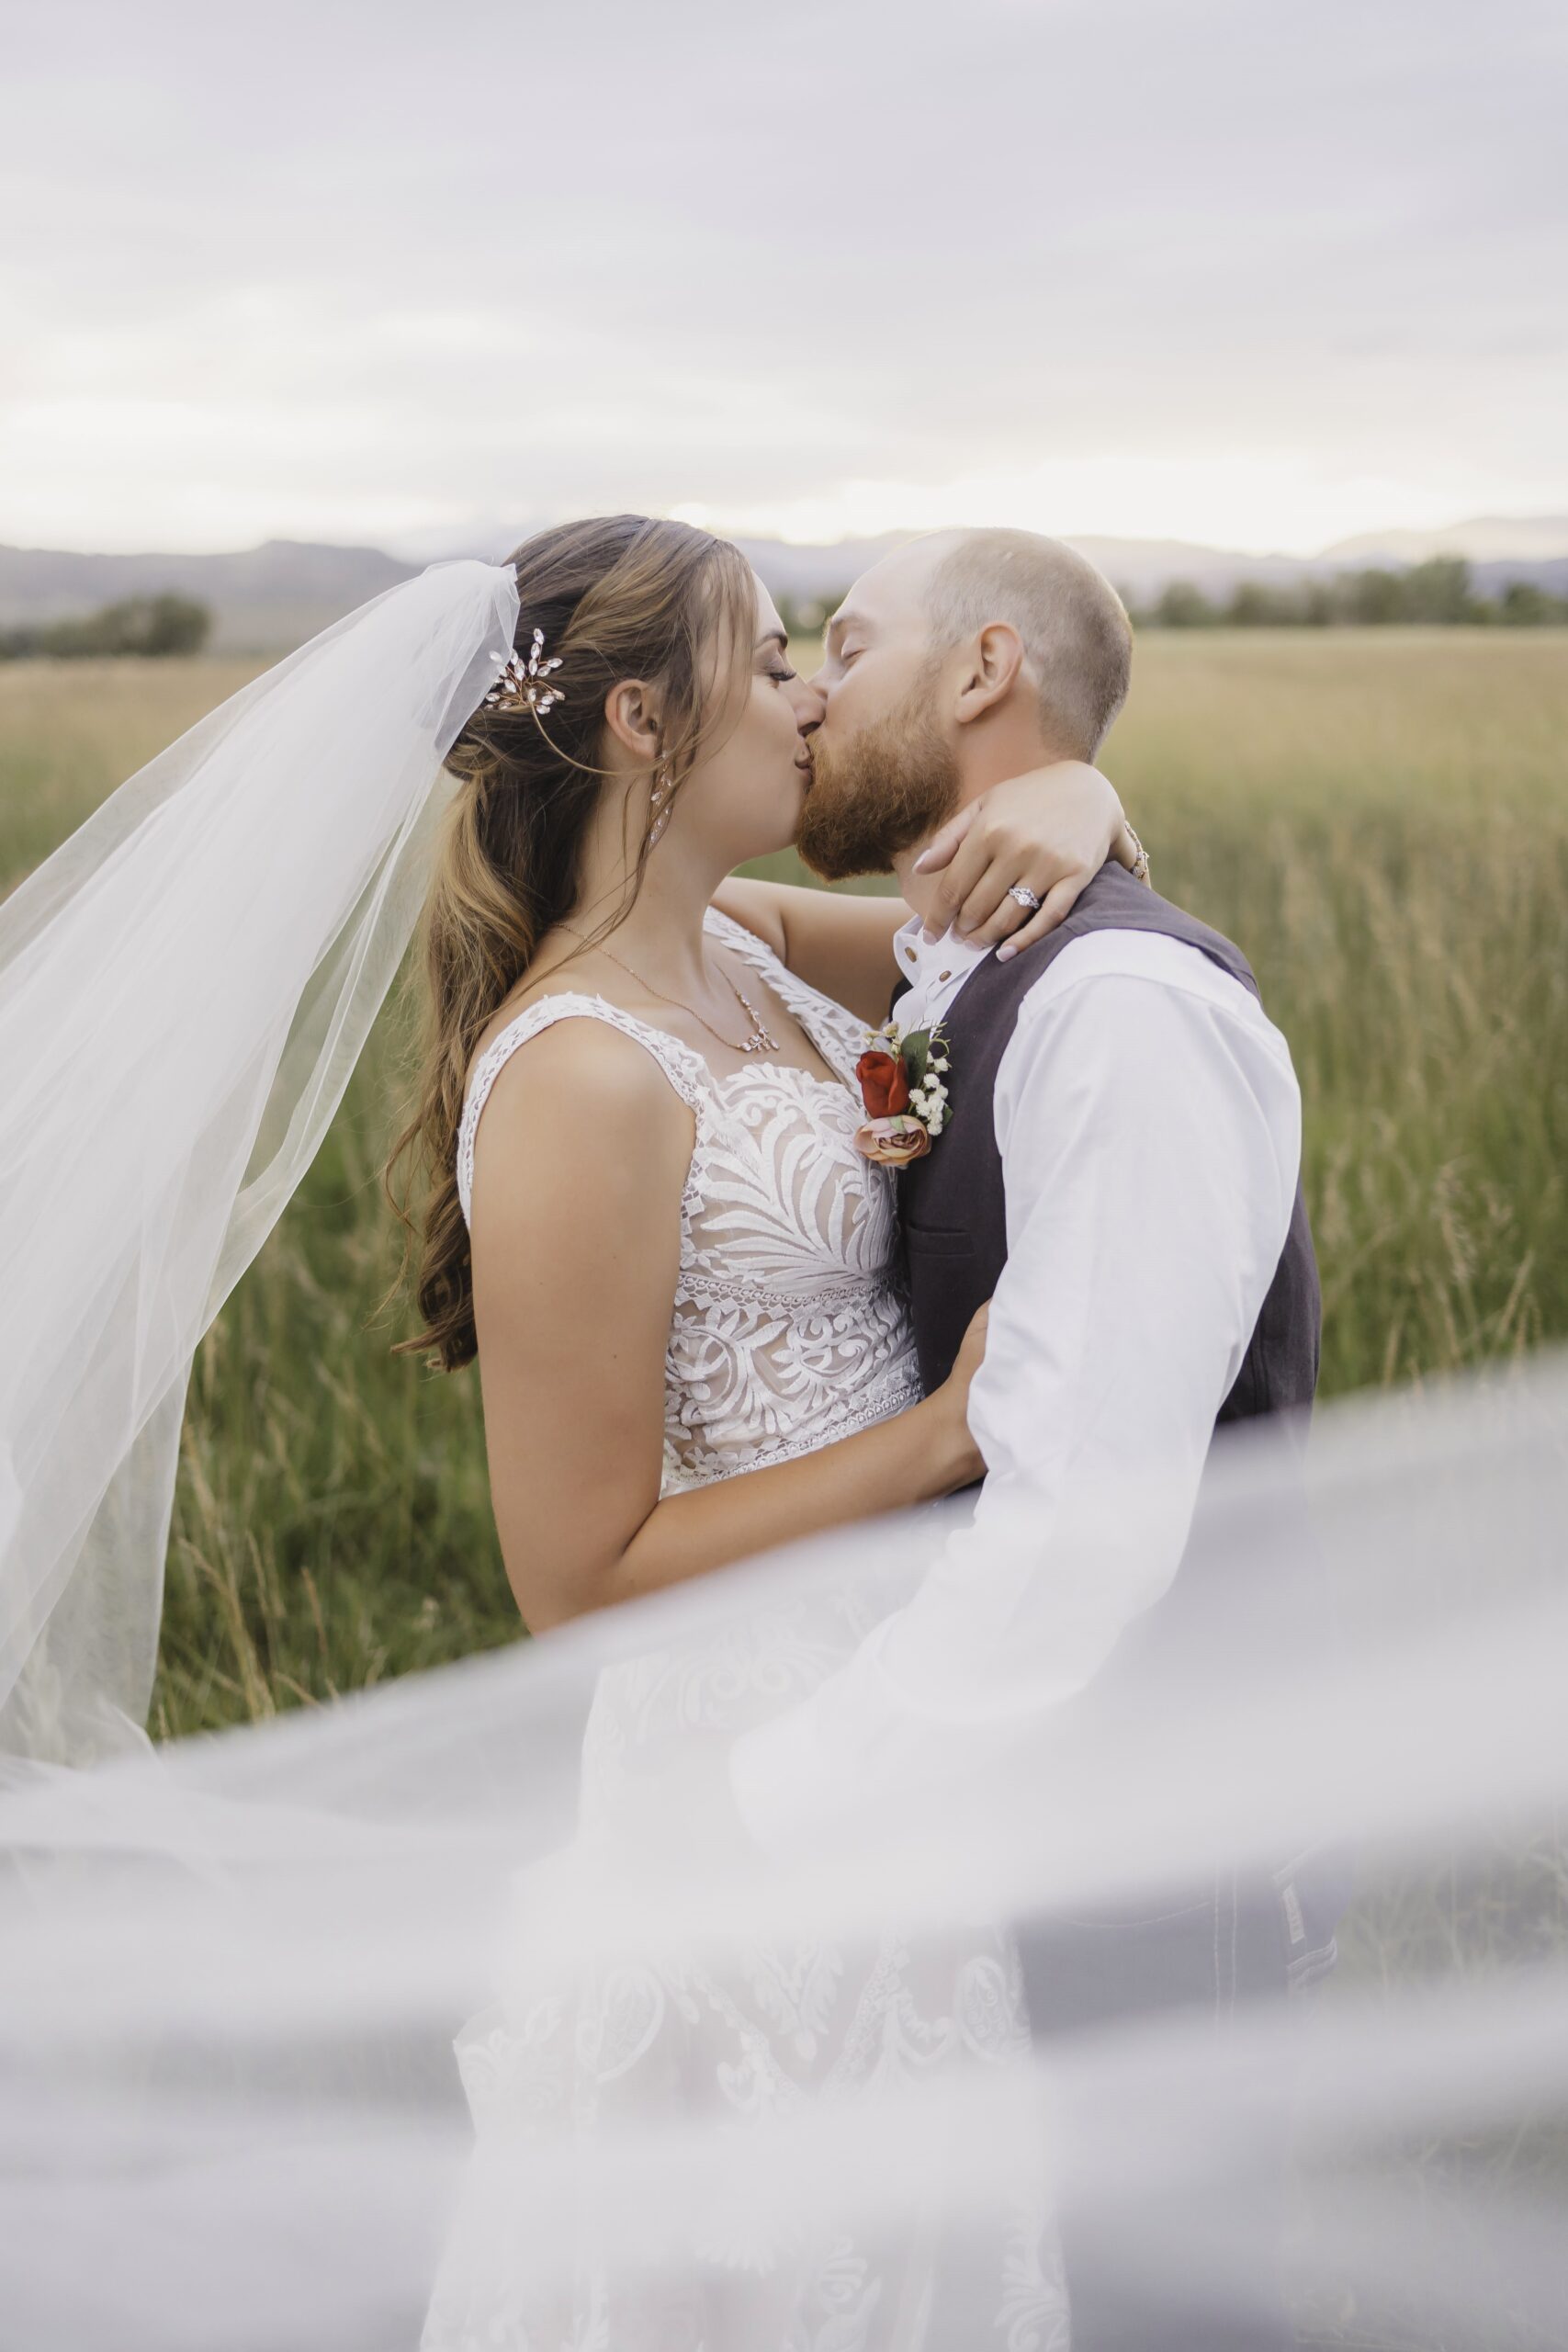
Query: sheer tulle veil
[185,987]
[231,1972]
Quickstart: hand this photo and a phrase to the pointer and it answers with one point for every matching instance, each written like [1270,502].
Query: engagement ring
[1025,897]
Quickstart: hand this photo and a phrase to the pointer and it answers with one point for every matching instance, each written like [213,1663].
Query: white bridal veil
[232,1970]
[185,987]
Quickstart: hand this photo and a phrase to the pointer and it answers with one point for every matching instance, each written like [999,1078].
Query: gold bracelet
[1139,868]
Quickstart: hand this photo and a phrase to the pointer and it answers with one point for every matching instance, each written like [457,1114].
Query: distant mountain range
[270,598]
[1489,539]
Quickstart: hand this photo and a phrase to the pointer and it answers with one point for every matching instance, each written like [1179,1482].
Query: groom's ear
[991,662]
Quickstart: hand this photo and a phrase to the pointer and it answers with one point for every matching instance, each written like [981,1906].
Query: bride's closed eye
[782,675]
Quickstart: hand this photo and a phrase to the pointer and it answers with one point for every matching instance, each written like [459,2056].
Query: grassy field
[1380,818]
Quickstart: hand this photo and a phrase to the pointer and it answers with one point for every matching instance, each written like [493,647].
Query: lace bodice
[790,1326]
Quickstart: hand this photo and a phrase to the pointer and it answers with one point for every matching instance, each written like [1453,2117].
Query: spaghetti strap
[684,1070]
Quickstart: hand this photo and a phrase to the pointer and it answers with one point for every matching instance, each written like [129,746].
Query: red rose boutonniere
[901,1085]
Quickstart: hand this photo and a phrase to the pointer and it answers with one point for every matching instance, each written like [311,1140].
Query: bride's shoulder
[578,1044]
[572,1098]
[515,1018]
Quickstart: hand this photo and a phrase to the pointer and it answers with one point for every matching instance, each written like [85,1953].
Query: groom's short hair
[1077,641]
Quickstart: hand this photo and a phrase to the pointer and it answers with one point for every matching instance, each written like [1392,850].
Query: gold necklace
[758,1040]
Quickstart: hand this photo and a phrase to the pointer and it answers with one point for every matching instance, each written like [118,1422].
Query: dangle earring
[661,801]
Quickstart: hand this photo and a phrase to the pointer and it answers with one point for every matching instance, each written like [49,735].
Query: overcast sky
[423,276]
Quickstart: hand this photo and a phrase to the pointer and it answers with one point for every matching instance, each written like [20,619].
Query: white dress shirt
[1149,1126]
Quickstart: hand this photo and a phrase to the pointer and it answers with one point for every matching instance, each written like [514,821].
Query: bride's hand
[954,1397]
[1051,830]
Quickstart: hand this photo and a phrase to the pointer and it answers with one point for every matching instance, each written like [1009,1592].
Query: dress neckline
[667,1043]
[804,1004]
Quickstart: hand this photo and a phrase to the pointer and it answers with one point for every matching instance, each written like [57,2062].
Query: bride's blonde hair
[617,597]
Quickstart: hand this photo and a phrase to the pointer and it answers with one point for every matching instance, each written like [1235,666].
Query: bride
[646,1215]
[648,1218]
[647,1211]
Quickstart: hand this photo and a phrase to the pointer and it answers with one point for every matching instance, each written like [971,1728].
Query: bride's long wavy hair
[617,597]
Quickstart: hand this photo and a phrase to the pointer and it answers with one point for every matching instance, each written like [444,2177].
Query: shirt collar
[933,961]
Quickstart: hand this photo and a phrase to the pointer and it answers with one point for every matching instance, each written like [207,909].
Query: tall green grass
[1380,818]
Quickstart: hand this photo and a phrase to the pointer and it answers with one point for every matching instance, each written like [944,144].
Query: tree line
[151,627]
[1440,590]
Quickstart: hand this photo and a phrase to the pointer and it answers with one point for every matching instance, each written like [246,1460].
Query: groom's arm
[1149,1125]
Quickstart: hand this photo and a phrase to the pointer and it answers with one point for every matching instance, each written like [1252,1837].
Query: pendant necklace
[758,1040]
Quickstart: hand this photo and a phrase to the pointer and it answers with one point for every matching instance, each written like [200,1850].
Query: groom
[1121,1178]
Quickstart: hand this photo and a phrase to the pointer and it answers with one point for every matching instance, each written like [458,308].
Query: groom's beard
[884,790]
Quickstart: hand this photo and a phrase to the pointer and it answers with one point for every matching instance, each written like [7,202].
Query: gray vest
[1237,1934]
[953,1203]
[952,1209]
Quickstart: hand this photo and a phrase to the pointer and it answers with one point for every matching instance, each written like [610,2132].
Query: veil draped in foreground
[231,1971]
[185,987]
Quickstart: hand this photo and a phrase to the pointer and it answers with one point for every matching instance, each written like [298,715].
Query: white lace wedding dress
[790,1330]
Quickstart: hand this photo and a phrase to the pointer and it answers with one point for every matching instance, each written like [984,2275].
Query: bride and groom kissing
[718,1307]
[717,1303]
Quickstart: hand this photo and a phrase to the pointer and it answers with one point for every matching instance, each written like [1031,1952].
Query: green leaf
[915,1049]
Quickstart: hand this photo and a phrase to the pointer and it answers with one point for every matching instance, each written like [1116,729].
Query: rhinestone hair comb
[521,685]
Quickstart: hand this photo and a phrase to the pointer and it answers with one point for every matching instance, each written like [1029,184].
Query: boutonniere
[901,1085]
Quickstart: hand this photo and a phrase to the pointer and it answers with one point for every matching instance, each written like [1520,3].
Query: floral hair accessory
[901,1085]
[520,686]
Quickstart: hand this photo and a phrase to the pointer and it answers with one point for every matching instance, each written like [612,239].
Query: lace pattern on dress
[789,1326]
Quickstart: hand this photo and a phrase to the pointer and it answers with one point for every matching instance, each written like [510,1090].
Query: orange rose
[893,1143]
[884,1084]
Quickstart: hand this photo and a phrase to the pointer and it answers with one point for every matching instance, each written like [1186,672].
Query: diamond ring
[1025,897]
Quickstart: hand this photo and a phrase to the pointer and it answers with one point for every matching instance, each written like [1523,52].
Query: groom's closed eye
[842,645]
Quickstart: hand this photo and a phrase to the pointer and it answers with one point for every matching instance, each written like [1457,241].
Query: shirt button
[911,954]
[944,975]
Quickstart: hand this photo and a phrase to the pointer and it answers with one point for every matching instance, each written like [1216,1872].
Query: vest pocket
[937,1241]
